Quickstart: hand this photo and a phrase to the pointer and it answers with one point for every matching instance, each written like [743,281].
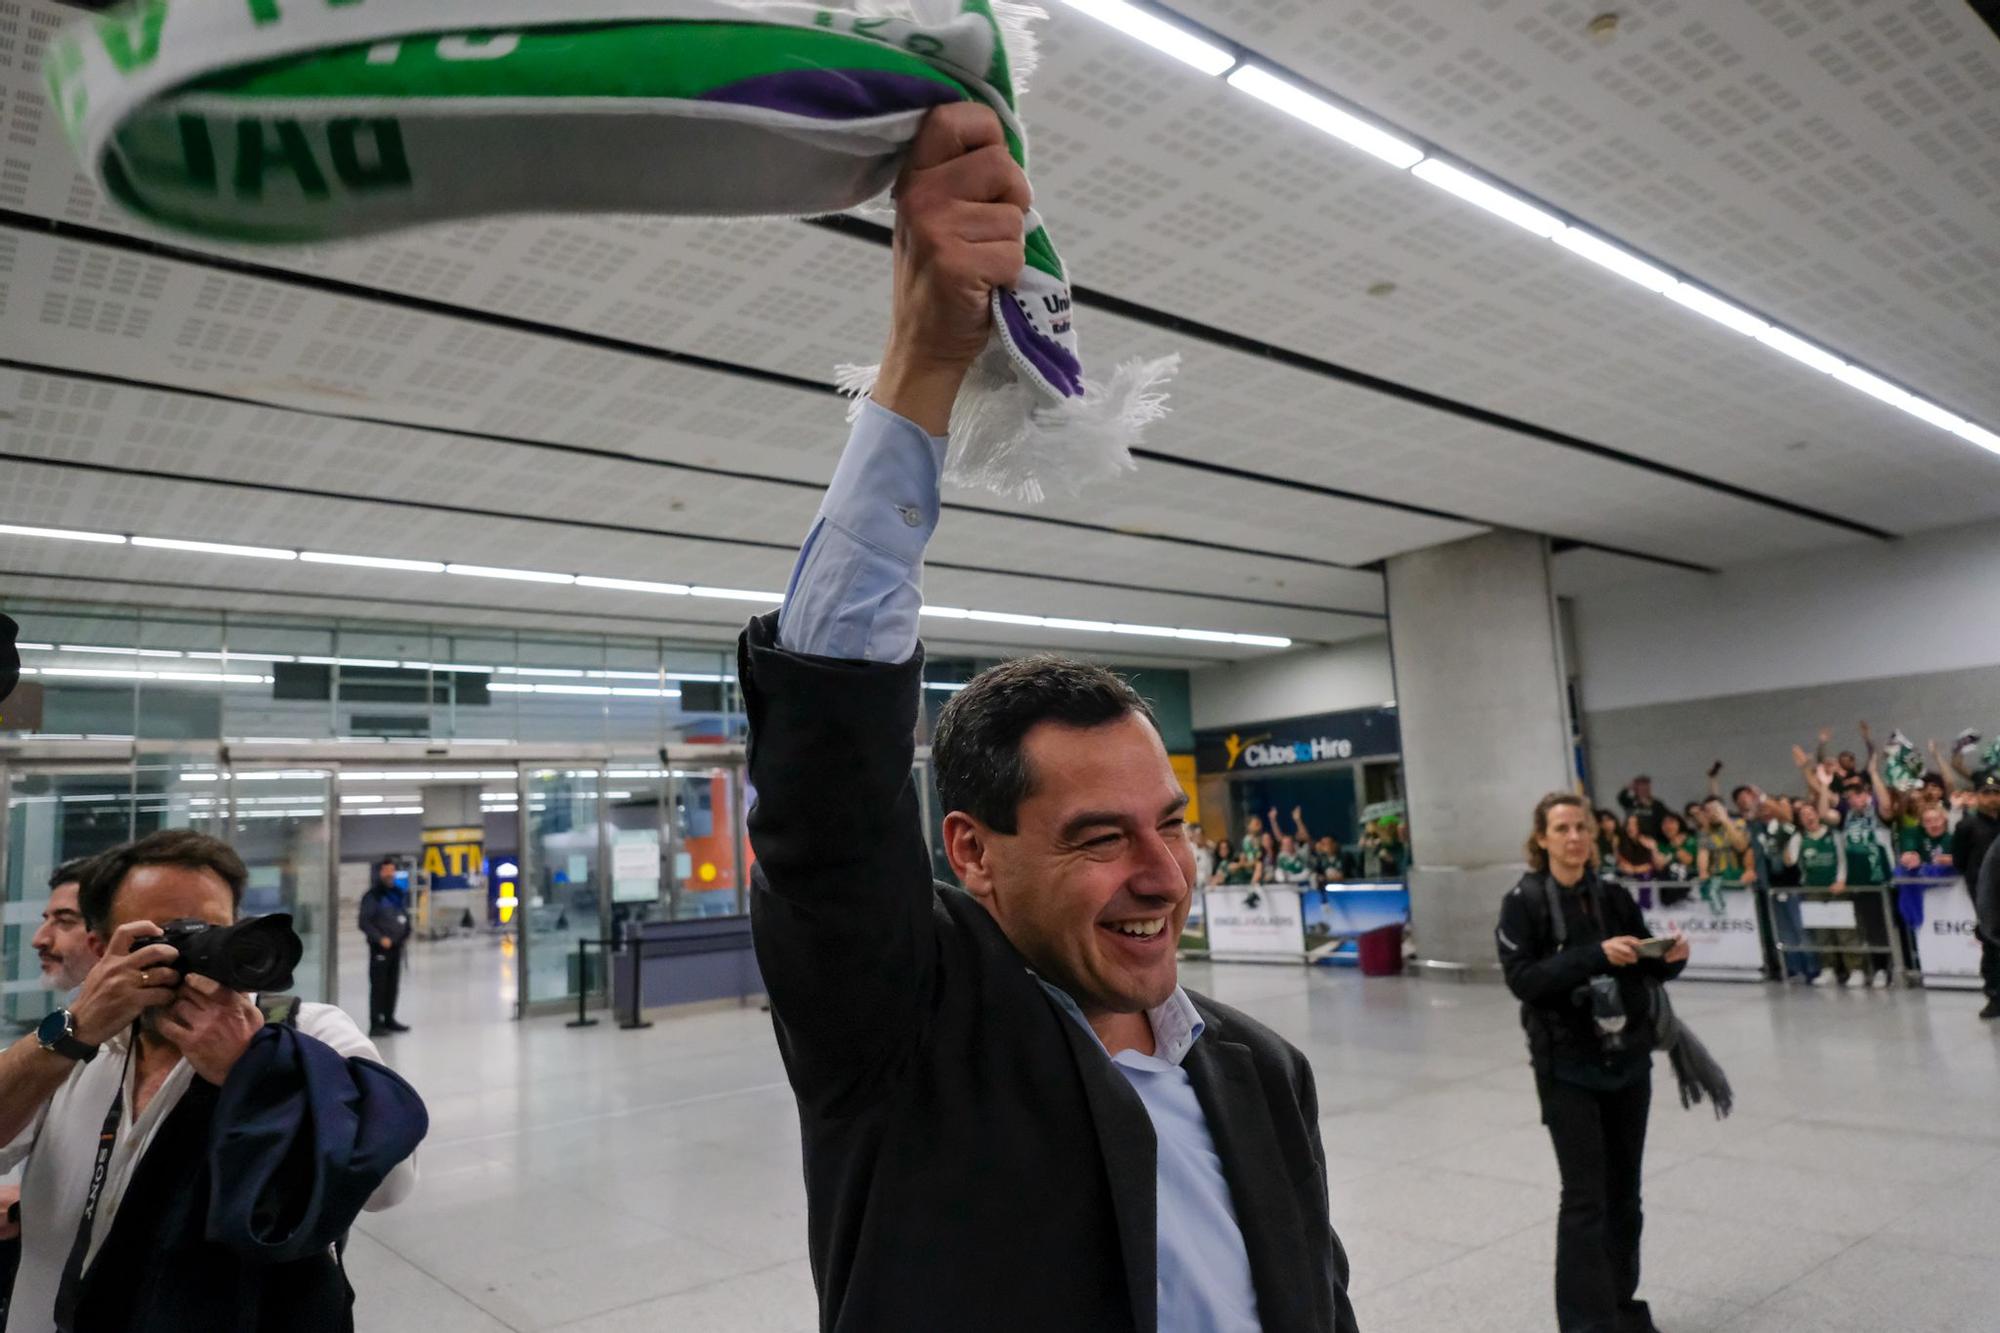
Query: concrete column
[448,866]
[1485,722]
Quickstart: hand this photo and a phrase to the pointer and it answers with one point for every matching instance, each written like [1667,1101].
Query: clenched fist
[961,205]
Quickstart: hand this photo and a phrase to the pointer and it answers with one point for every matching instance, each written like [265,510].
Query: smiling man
[1013,1115]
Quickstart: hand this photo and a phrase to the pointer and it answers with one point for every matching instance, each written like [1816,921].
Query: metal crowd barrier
[1939,950]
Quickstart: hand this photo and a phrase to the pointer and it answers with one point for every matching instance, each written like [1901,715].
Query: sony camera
[253,955]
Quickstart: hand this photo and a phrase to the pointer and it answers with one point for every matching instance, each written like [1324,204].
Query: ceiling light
[1797,348]
[1159,34]
[384,663]
[538,671]
[518,575]
[1004,618]
[122,652]
[1973,433]
[1205,635]
[944,612]
[1147,631]
[640,692]
[231,655]
[448,666]
[1261,640]
[623,675]
[1872,385]
[217,548]
[1082,626]
[61,534]
[214,677]
[373,562]
[947,686]
[1323,115]
[1622,262]
[41,647]
[1489,197]
[1923,409]
[739,595]
[634,585]
[1714,307]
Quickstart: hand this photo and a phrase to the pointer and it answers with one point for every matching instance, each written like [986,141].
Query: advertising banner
[1722,942]
[1947,943]
[1359,733]
[1255,923]
[1340,912]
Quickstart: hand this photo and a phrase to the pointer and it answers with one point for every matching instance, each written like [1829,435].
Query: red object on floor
[1381,951]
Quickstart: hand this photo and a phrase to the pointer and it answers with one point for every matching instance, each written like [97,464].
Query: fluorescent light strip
[539,576]
[1323,115]
[216,548]
[634,585]
[1711,306]
[229,655]
[1620,261]
[383,662]
[1492,198]
[373,562]
[517,575]
[1158,33]
[121,652]
[61,534]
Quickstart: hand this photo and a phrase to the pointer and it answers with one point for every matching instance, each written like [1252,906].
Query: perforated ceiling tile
[1867,210]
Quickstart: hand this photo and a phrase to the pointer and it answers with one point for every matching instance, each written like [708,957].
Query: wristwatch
[57,1033]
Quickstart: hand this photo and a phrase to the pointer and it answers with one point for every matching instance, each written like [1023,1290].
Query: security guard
[385,920]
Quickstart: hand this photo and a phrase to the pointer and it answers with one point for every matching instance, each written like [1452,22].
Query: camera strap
[70,1290]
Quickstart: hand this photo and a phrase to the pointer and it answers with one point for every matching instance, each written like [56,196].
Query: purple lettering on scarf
[834,94]
[1057,364]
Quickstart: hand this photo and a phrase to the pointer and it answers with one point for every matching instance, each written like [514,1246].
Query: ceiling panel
[1162,188]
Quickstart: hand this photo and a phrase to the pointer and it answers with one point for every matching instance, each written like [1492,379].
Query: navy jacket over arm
[232,1217]
[973,1160]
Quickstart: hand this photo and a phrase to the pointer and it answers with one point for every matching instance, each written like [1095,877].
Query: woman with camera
[1575,952]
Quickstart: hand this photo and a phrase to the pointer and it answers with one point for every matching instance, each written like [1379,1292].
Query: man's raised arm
[841,899]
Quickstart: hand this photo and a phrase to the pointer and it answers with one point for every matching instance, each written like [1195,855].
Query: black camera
[254,955]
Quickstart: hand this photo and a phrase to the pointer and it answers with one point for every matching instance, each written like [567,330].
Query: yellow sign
[452,856]
[1184,774]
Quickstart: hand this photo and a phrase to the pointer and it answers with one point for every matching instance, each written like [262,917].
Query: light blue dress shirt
[858,584]
[855,594]
[1203,1266]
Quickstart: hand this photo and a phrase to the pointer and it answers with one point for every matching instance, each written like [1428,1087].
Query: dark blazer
[973,1160]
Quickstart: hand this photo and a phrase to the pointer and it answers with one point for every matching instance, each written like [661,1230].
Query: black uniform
[1594,1100]
[1971,844]
[383,917]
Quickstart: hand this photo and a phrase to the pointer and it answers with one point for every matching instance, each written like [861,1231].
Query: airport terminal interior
[1559,397]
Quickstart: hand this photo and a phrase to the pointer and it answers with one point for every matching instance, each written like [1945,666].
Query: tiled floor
[601,1180]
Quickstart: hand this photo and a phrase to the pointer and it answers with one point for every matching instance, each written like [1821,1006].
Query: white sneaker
[1820,979]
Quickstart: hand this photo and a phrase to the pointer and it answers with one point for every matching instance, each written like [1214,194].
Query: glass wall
[147,674]
[562,895]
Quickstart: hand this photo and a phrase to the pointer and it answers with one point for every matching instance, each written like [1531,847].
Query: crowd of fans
[1853,826]
[1267,855]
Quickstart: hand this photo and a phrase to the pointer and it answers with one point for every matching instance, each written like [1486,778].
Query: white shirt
[61,1148]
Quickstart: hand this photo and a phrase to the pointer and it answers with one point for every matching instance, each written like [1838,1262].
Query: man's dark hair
[73,871]
[976,748]
[1737,791]
[169,847]
[388,861]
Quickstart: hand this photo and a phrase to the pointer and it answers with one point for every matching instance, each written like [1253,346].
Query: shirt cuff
[885,490]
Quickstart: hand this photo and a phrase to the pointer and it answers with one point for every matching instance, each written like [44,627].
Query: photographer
[193,1163]
[1570,946]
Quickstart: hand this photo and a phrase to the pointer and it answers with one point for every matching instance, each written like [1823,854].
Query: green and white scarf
[298,121]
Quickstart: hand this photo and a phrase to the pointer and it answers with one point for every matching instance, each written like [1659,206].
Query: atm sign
[453,856]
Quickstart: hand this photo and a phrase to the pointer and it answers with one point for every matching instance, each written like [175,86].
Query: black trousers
[1600,1141]
[1989,964]
[385,978]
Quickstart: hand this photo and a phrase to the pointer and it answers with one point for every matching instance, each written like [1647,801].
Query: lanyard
[69,1291]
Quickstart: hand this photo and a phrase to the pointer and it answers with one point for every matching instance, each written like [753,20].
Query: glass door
[563,898]
[707,842]
[51,815]
[283,823]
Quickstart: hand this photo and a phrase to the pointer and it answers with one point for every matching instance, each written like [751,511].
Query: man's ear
[968,845]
